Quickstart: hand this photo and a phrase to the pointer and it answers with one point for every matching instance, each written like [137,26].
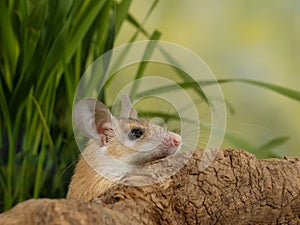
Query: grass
[45,46]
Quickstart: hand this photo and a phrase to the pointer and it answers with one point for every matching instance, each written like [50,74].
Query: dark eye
[135,133]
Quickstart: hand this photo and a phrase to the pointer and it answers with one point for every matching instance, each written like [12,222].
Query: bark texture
[236,189]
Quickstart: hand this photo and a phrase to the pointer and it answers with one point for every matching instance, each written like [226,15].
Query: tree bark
[235,189]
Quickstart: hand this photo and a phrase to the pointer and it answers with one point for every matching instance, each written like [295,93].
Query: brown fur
[87,183]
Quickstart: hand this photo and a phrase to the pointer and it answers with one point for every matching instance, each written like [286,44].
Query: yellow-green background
[254,39]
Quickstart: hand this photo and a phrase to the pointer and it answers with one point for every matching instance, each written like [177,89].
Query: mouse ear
[127,110]
[90,116]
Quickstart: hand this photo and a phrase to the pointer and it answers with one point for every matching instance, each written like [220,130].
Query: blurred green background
[257,40]
[46,45]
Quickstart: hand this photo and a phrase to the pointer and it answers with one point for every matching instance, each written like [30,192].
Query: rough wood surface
[236,189]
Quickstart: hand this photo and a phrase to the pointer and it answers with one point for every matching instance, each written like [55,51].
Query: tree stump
[235,189]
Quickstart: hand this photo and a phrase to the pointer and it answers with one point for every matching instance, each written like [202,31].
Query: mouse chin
[166,152]
[144,157]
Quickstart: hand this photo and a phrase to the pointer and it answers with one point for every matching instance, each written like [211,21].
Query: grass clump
[45,46]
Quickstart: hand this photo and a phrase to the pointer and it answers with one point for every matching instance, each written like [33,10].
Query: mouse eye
[135,133]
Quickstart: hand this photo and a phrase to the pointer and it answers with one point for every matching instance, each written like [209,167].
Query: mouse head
[127,138]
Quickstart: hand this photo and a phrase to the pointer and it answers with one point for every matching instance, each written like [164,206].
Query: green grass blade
[8,200]
[187,80]
[274,143]
[9,46]
[171,87]
[100,32]
[70,89]
[109,43]
[52,61]
[281,90]
[265,151]
[44,123]
[165,116]
[142,67]
[273,87]
[23,180]
[66,49]
[33,31]
[190,84]
[239,142]
[121,14]
[2,184]
[140,26]
[39,173]
[81,29]
[151,9]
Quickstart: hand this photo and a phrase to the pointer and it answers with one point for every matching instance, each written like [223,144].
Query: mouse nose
[176,143]
[176,140]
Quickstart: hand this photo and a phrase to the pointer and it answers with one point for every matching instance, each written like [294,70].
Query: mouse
[116,146]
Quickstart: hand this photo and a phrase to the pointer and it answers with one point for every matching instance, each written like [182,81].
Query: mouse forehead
[131,123]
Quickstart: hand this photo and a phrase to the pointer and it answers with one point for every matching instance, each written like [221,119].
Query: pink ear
[93,118]
[102,116]
[105,132]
